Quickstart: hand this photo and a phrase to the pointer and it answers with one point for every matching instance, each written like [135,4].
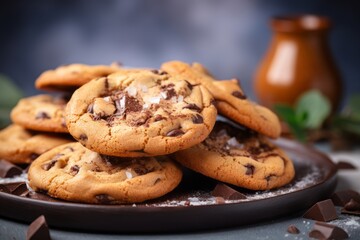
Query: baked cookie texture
[230,99]
[140,113]
[42,113]
[70,77]
[239,157]
[18,145]
[75,173]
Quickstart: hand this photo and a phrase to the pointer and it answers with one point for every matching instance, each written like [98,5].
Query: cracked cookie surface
[239,157]
[18,145]
[74,173]
[140,113]
[70,77]
[230,99]
[41,112]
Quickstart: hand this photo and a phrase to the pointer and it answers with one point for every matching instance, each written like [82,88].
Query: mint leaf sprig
[309,113]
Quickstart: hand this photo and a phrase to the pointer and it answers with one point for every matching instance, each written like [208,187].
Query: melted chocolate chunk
[34,156]
[132,104]
[170,93]
[38,230]
[83,137]
[239,94]
[141,170]
[49,165]
[8,170]
[325,231]
[293,230]
[74,170]
[159,118]
[197,119]
[42,115]
[104,199]
[193,107]
[322,211]
[174,133]
[226,192]
[189,85]
[249,169]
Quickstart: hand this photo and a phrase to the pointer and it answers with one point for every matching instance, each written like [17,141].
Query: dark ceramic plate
[187,208]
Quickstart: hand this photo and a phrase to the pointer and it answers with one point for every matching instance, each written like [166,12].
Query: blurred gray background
[229,37]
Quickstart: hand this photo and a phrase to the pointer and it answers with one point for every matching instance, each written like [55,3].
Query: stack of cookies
[134,126]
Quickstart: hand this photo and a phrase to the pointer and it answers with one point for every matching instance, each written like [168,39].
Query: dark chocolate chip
[197,119]
[141,170]
[74,170]
[344,165]
[322,211]
[83,137]
[293,230]
[174,133]
[170,93]
[325,231]
[106,83]
[42,115]
[104,199]
[239,94]
[8,170]
[340,198]
[38,230]
[249,169]
[34,156]
[158,72]
[193,106]
[49,165]
[352,205]
[226,192]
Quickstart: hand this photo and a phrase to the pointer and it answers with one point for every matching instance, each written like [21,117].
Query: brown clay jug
[297,60]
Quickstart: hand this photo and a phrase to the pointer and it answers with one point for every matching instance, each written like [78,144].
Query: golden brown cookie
[75,173]
[230,99]
[140,113]
[70,77]
[18,145]
[41,112]
[239,157]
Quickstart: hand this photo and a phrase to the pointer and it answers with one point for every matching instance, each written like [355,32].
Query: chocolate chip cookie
[18,145]
[41,112]
[239,157]
[140,113]
[230,99]
[75,173]
[70,77]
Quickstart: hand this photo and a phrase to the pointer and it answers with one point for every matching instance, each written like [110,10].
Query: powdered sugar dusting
[19,178]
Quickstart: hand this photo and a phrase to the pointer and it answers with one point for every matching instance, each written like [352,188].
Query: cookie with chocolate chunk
[18,145]
[239,157]
[70,77]
[140,113]
[41,112]
[74,173]
[230,99]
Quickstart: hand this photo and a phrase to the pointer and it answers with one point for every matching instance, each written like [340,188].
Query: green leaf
[312,109]
[347,124]
[9,93]
[287,114]
[352,109]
